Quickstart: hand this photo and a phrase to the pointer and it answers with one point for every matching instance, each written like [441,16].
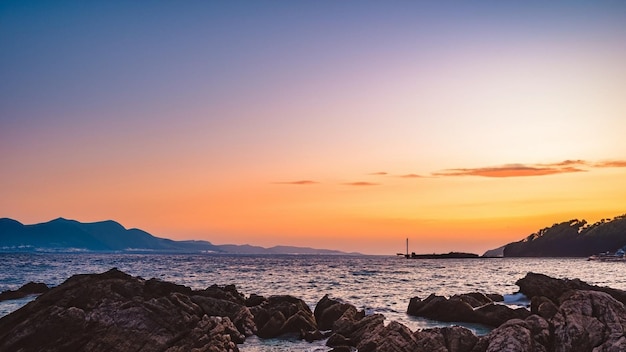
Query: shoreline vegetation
[113,310]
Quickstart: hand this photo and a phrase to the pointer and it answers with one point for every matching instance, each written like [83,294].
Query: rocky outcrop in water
[114,311]
[469,308]
[566,315]
[31,288]
[538,285]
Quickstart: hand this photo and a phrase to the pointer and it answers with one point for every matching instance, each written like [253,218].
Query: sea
[377,284]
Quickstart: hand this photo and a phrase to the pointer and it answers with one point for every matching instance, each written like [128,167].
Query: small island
[450,255]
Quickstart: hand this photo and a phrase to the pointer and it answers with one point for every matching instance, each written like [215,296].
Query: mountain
[70,235]
[496,252]
[63,235]
[573,238]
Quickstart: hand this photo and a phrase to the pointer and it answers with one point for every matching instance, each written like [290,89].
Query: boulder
[533,285]
[497,314]
[589,320]
[543,307]
[115,311]
[31,288]
[447,339]
[440,308]
[328,310]
[468,308]
[280,315]
[516,335]
[393,337]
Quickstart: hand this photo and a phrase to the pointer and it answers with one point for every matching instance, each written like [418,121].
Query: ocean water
[378,284]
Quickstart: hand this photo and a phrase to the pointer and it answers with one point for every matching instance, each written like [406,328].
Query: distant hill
[63,235]
[573,238]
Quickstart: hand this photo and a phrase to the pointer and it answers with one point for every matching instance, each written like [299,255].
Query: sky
[347,125]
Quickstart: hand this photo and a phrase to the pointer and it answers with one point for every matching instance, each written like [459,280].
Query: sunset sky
[329,124]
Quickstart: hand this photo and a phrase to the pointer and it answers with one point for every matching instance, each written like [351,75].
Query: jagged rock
[447,339]
[328,310]
[337,340]
[227,293]
[345,324]
[495,297]
[516,335]
[542,285]
[497,314]
[543,307]
[114,311]
[255,300]
[469,308]
[393,337]
[279,315]
[440,308]
[240,315]
[31,288]
[474,299]
[589,320]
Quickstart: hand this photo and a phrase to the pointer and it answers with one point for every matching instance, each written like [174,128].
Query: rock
[543,307]
[328,310]
[255,300]
[226,293]
[114,311]
[542,285]
[515,336]
[337,340]
[440,308]
[341,349]
[469,308]
[475,299]
[31,288]
[280,315]
[240,315]
[498,314]
[447,339]
[495,297]
[589,320]
[310,336]
[393,337]
[345,324]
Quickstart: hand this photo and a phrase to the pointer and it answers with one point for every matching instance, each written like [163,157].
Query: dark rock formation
[468,308]
[114,311]
[278,315]
[589,320]
[328,310]
[573,316]
[537,285]
[31,288]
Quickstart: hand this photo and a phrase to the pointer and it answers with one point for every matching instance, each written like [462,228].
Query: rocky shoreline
[115,311]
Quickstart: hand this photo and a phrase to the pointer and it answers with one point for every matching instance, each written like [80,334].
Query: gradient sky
[329,124]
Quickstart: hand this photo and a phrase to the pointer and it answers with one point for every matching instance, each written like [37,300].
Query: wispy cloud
[361,183]
[300,183]
[379,173]
[411,176]
[512,170]
[612,163]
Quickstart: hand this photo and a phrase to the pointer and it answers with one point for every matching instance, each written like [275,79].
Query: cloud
[511,170]
[566,163]
[379,173]
[300,183]
[612,163]
[411,176]
[361,183]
